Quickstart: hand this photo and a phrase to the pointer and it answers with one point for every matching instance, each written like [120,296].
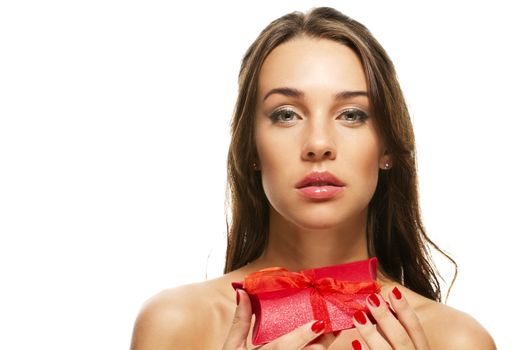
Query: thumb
[242,321]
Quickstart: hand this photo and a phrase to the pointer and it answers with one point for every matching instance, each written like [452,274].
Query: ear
[256,163]
[256,159]
[385,161]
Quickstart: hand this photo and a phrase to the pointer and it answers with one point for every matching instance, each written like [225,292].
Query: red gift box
[283,300]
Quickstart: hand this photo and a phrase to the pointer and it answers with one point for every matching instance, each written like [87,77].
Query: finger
[369,333]
[394,331]
[241,323]
[408,319]
[299,338]
[322,342]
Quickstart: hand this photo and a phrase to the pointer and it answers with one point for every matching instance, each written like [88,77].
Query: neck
[298,248]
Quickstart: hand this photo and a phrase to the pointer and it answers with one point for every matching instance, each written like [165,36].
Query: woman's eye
[282,115]
[354,115]
[286,115]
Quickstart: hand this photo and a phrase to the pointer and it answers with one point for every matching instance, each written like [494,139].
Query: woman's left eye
[355,115]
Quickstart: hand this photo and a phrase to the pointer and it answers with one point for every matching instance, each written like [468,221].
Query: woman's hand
[303,337]
[405,332]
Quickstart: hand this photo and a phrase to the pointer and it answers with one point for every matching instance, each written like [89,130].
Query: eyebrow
[291,92]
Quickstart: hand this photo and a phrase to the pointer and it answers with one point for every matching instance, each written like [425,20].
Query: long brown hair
[395,231]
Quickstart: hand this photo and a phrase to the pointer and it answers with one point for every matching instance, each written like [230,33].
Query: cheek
[363,167]
[277,159]
[272,152]
[275,146]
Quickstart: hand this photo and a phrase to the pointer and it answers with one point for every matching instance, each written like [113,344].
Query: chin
[317,222]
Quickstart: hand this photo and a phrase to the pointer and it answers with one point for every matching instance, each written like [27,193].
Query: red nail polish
[374,300]
[336,333]
[360,317]
[356,345]
[238,297]
[318,326]
[396,293]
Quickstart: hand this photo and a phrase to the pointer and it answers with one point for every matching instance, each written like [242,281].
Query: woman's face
[313,131]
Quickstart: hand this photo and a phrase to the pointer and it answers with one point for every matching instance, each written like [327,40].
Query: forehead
[312,65]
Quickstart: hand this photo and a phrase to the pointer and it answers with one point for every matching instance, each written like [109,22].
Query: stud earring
[255,166]
[387,165]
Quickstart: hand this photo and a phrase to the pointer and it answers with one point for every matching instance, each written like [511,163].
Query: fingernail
[396,293]
[374,300]
[318,326]
[360,317]
[336,333]
[238,296]
[356,345]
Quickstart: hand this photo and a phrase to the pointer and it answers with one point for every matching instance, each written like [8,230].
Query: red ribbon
[346,295]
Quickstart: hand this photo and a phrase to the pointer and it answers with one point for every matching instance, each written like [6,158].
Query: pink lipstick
[320,185]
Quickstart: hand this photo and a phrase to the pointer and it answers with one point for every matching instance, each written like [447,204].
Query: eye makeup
[357,114]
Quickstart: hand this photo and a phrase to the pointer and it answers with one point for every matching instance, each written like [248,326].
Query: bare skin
[199,316]
[316,133]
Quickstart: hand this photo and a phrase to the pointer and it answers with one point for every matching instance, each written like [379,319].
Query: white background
[113,137]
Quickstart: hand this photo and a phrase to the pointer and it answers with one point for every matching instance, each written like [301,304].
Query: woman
[319,106]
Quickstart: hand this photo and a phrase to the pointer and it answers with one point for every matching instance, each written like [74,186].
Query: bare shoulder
[449,328]
[172,319]
[463,331]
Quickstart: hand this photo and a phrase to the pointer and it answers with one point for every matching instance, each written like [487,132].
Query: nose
[319,145]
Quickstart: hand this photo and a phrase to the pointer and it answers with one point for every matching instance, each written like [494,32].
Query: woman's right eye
[282,115]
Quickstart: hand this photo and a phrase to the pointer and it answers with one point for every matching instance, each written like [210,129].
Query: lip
[324,176]
[320,192]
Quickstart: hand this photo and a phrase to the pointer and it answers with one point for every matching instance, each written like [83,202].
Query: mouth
[320,184]
[320,179]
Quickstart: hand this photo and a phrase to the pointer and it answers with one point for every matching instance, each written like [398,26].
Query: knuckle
[405,342]
[402,306]
[236,320]
[405,311]
[367,331]
[380,315]
[414,324]
[411,320]
[305,337]
[239,323]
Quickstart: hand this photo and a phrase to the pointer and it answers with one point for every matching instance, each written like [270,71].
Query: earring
[387,165]
[254,166]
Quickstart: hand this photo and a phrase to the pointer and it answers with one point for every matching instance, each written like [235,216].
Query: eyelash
[275,115]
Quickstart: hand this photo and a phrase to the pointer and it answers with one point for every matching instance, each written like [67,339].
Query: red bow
[348,296]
